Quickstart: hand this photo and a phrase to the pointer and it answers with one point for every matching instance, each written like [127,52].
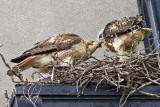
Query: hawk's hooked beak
[101,40]
[96,44]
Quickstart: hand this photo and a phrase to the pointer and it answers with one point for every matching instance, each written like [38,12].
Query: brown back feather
[123,25]
[60,42]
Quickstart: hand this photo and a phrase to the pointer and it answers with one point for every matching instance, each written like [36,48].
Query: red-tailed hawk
[124,35]
[64,50]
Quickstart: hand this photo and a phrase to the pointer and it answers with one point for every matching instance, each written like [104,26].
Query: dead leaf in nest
[35,97]
[22,97]
[19,92]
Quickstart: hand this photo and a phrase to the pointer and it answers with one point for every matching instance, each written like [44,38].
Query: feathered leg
[121,53]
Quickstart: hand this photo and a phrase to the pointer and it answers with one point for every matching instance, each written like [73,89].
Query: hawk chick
[124,35]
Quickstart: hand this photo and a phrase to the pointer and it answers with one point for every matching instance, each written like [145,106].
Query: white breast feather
[117,42]
[45,60]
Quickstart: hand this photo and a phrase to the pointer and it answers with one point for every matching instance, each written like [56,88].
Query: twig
[6,95]
[4,61]
[7,65]
[138,90]
[125,90]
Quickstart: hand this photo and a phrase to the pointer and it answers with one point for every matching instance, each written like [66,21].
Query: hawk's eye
[91,41]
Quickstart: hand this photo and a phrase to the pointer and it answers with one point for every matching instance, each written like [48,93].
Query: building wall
[25,22]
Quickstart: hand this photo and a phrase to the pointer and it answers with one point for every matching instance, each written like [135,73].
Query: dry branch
[7,65]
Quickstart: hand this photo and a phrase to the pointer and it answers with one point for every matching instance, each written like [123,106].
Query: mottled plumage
[52,44]
[124,34]
[123,25]
[64,50]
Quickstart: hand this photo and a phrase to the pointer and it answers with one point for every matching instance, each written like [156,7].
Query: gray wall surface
[25,22]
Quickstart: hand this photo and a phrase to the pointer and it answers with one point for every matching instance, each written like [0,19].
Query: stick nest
[137,70]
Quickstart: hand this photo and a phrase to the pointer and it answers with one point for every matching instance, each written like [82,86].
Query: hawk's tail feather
[23,65]
[20,58]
